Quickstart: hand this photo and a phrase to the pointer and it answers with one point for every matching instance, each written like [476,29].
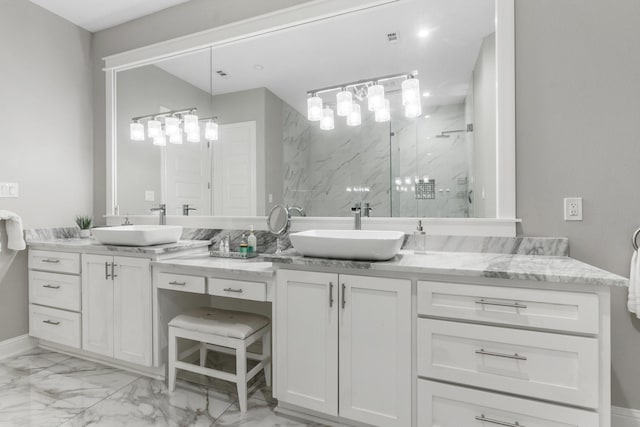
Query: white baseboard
[623,417]
[17,345]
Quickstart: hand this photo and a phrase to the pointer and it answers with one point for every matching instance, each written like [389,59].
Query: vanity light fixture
[314,108]
[160,140]
[355,116]
[327,122]
[154,128]
[384,114]
[372,92]
[191,123]
[137,131]
[176,138]
[171,126]
[344,100]
[211,131]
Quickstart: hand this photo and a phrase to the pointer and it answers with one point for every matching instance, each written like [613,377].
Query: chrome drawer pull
[238,291]
[515,356]
[51,322]
[497,422]
[330,294]
[51,286]
[51,261]
[178,283]
[500,304]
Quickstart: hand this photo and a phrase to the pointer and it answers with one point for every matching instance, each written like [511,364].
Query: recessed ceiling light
[424,33]
[427,116]
[426,94]
[258,67]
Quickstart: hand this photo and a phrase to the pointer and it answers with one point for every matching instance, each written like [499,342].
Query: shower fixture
[446,133]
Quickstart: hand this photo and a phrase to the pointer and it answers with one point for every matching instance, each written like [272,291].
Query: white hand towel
[633,304]
[15,235]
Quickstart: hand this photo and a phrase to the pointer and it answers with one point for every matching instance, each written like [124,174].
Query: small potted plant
[84,224]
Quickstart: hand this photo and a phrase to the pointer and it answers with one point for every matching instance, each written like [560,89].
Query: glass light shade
[375,95]
[176,138]
[136,131]
[190,123]
[160,140]
[327,122]
[384,114]
[194,136]
[211,131]
[345,103]
[154,128]
[413,110]
[314,108]
[410,92]
[355,116]
[171,126]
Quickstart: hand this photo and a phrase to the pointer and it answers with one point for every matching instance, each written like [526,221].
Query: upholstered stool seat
[226,332]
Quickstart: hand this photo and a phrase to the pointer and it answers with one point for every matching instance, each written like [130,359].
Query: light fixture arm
[166,114]
[365,82]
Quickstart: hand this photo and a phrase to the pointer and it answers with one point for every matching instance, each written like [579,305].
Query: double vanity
[436,339]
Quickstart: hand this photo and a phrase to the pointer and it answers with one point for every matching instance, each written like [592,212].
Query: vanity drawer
[60,262]
[535,308]
[54,290]
[536,364]
[181,282]
[444,405]
[59,326]
[256,291]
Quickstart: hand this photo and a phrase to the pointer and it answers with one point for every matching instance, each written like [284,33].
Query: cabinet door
[97,304]
[375,350]
[307,340]
[132,310]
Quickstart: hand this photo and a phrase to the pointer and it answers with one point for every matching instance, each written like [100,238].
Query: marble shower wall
[323,169]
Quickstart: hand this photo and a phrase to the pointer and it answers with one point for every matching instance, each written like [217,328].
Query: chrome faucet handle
[186,208]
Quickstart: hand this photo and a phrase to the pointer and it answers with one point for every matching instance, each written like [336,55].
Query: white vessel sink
[348,244]
[137,235]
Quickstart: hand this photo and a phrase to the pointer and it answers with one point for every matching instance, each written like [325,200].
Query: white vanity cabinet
[117,313]
[344,346]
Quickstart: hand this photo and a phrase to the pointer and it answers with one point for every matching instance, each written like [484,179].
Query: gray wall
[484,130]
[577,115]
[46,145]
[186,18]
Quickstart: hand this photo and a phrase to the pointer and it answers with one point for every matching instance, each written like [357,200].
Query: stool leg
[203,354]
[241,376]
[266,351]
[173,356]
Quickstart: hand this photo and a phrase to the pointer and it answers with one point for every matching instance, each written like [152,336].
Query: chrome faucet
[163,213]
[357,216]
[186,208]
[366,210]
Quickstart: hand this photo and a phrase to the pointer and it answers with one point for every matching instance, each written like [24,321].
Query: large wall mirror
[408,153]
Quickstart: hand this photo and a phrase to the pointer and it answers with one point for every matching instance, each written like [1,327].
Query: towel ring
[634,239]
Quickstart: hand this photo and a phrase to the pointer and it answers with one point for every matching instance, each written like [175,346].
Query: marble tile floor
[43,388]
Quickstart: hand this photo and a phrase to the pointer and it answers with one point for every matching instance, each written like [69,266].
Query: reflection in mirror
[278,220]
[441,163]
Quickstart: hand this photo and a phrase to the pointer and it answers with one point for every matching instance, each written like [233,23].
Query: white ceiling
[353,47]
[96,15]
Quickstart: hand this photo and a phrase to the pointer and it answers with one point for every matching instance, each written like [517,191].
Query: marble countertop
[205,265]
[94,247]
[555,269]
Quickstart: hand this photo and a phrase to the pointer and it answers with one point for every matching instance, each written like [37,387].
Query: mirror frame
[505,222]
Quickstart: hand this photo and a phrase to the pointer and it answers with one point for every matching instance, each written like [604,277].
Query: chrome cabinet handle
[51,322]
[500,304]
[51,260]
[330,294]
[515,356]
[178,283]
[106,270]
[344,299]
[238,291]
[113,272]
[51,286]
[498,422]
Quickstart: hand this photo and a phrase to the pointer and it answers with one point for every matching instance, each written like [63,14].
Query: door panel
[97,304]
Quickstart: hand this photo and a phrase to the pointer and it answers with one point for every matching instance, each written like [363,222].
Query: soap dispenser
[252,241]
[419,239]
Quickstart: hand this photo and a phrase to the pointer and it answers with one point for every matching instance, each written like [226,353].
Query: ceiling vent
[393,37]
[221,73]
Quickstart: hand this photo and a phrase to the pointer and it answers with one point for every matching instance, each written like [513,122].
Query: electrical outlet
[149,196]
[573,209]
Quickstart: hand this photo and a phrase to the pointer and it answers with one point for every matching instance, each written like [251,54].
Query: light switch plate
[149,196]
[573,209]
[9,189]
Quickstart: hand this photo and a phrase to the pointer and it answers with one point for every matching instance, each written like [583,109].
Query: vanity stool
[223,331]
